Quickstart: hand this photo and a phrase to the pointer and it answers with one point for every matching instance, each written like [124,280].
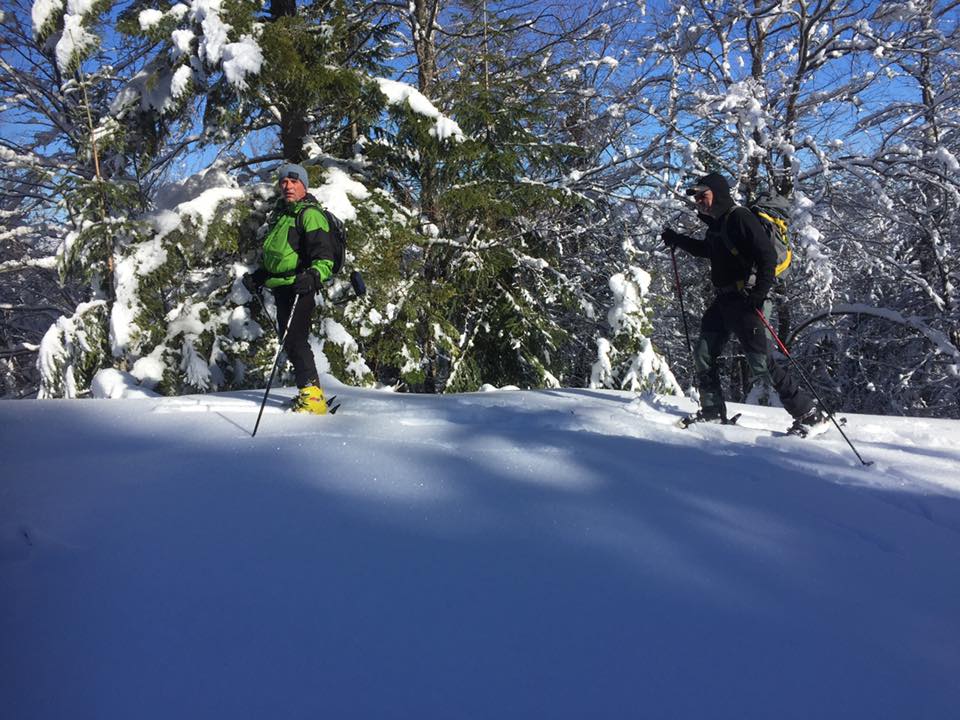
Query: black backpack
[338,234]
[773,212]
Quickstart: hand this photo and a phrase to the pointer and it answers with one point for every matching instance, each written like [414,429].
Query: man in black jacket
[742,264]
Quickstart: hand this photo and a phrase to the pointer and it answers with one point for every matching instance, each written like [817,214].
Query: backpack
[338,233]
[773,212]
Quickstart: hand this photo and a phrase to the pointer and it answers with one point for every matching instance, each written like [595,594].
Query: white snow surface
[110,384]
[502,554]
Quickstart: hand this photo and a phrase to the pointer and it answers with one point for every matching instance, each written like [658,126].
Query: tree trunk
[293,127]
[422,18]
[282,8]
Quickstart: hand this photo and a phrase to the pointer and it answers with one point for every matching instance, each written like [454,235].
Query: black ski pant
[296,343]
[731,314]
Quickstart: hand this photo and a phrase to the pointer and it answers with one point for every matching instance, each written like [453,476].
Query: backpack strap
[334,230]
[751,279]
[301,231]
[299,220]
[725,236]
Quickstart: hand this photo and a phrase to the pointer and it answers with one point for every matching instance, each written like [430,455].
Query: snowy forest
[504,171]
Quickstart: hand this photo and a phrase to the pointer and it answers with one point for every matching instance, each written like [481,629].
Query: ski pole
[683,312]
[796,365]
[273,369]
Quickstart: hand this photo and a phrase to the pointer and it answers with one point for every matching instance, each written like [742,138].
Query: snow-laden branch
[401,94]
[940,341]
[44,263]
[47,309]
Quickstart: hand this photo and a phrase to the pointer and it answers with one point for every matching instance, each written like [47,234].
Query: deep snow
[510,554]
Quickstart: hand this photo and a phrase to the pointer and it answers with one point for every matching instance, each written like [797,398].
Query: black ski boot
[814,422]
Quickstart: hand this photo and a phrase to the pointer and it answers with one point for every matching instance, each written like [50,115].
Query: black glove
[755,300]
[307,282]
[255,280]
[670,237]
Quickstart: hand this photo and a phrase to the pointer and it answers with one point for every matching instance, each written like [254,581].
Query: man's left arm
[317,245]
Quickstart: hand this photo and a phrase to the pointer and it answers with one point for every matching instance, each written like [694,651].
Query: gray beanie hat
[289,170]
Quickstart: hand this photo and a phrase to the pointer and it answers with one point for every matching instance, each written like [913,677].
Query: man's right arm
[671,238]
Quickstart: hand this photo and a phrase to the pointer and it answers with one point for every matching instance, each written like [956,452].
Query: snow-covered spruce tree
[464,294]
[604,88]
[97,108]
[515,297]
[59,163]
[503,274]
[181,322]
[73,350]
[131,265]
[628,360]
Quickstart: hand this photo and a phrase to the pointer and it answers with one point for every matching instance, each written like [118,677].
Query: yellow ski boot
[310,400]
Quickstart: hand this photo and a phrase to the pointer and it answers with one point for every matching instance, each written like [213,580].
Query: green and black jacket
[291,247]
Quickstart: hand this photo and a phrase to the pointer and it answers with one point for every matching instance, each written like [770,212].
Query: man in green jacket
[298,256]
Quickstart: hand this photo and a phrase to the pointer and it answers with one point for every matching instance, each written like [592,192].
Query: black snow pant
[296,343]
[730,313]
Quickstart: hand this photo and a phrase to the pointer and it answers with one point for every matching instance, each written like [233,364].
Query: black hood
[722,201]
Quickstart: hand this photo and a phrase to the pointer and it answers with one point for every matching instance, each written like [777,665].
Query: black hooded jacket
[740,252]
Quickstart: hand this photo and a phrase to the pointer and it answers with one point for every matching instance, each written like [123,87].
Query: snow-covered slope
[548,554]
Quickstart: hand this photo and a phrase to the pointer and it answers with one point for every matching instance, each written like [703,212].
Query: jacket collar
[721,206]
[283,207]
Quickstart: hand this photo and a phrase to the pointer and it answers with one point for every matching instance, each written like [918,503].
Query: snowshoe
[699,417]
[814,422]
